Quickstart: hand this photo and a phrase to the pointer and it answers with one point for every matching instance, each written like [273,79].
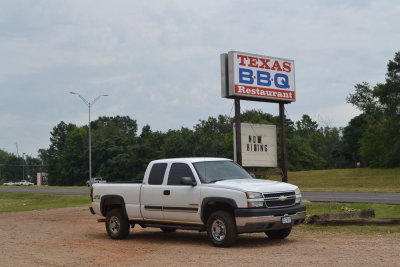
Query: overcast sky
[159,60]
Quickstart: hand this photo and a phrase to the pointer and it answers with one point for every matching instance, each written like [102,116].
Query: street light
[89,104]
[23,166]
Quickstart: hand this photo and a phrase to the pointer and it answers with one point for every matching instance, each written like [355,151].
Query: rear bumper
[261,220]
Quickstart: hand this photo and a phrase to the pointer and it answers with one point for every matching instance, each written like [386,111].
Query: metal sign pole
[283,142]
[238,133]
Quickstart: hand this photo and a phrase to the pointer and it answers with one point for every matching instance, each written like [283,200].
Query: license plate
[286,220]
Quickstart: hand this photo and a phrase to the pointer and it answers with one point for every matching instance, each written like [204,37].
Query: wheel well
[213,206]
[112,202]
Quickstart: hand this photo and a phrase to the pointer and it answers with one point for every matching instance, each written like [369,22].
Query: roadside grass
[382,211]
[25,202]
[354,229]
[346,180]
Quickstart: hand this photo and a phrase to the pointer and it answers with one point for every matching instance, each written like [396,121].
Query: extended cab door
[152,192]
[181,202]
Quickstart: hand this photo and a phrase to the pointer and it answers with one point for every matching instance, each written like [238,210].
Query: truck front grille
[280,200]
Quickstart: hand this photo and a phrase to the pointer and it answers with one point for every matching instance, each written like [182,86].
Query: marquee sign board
[259,147]
[258,78]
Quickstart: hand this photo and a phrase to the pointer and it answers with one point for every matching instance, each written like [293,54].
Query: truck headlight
[298,195]
[252,195]
[255,200]
[255,204]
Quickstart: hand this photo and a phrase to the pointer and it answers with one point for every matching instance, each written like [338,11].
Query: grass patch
[346,180]
[354,229]
[24,202]
[382,211]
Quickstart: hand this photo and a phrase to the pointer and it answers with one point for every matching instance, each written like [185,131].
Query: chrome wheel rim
[114,225]
[218,230]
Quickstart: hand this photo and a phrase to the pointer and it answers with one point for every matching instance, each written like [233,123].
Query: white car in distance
[24,183]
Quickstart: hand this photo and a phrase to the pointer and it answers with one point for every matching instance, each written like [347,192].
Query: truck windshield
[213,171]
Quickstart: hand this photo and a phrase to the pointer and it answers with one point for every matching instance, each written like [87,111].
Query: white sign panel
[256,77]
[259,147]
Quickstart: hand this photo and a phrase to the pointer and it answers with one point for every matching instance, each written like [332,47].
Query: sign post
[283,142]
[258,78]
[238,134]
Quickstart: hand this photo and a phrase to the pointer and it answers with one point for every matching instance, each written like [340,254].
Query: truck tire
[279,234]
[117,225]
[221,229]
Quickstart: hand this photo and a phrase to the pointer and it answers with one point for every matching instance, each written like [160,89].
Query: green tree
[213,137]
[352,135]
[3,159]
[258,116]
[380,142]
[72,164]
[12,170]
[106,127]
[179,143]
[51,157]
[116,159]
[301,155]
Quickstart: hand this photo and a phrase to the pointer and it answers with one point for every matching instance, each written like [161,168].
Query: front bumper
[261,220]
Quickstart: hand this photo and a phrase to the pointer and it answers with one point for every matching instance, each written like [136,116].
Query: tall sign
[258,143]
[258,78]
[246,76]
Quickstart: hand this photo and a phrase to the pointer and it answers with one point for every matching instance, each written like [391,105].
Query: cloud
[159,60]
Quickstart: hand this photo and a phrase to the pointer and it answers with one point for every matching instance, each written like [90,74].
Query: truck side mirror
[187,181]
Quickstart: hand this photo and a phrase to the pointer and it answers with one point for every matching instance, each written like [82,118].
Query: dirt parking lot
[72,237]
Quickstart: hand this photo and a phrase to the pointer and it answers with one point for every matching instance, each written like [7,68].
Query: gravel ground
[72,237]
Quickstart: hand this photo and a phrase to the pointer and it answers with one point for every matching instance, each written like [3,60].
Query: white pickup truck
[205,194]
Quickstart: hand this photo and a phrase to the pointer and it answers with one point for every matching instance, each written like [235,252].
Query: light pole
[23,166]
[89,104]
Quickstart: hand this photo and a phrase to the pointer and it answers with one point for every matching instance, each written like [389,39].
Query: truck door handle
[167,192]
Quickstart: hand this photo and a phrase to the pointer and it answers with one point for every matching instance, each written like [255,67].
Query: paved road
[388,198]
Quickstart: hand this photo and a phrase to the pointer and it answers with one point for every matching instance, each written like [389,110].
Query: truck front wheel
[117,225]
[279,234]
[221,229]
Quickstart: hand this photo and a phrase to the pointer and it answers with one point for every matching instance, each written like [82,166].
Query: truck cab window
[179,170]
[157,172]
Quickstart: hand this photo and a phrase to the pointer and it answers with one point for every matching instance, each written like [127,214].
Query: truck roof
[192,160]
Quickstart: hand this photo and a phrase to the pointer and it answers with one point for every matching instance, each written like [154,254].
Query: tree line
[120,153]
[16,168]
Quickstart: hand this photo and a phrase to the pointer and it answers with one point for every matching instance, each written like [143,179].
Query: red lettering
[242,58]
[276,66]
[253,62]
[287,66]
[264,62]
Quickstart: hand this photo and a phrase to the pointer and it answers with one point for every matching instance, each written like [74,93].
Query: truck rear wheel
[221,229]
[279,234]
[117,225]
